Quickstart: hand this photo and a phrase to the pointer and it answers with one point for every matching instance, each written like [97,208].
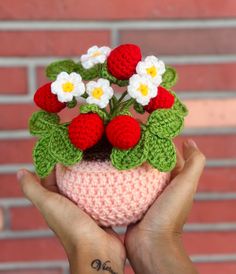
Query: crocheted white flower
[67,86]
[100,92]
[141,88]
[95,55]
[153,67]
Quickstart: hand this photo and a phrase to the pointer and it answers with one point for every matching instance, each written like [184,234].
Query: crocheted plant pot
[110,196]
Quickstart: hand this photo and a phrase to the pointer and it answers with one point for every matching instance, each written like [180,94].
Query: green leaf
[88,74]
[126,159]
[43,160]
[139,108]
[165,123]
[95,109]
[62,149]
[179,106]
[169,78]
[162,154]
[105,74]
[56,67]
[42,122]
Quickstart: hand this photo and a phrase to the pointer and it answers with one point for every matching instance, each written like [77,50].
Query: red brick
[50,43]
[36,249]
[10,86]
[213,212]
[9,186]
[218,179]
[184,41]
[16,151]
[217,268]
[1,219]
[23,218]
[210,242]
[33,271]
[216,77]
[108,10]
[226,145]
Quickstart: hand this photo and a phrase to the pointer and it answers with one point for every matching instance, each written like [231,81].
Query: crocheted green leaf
[43,160]
[169,78]
[42,122]
[179,106]
[165,123]
[88,74]
[56,67]
[139,108]
[162,154]
[95,109]
[126,159]
[62,149]
[105,74]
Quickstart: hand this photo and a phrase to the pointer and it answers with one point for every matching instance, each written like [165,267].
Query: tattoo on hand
[99,265]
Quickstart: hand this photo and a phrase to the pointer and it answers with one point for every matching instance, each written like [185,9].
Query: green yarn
[105,74]
[62,149]
[161,154]
[44,162]
[56,67]
[72,103]
[42,122]
[95,109]
[165,123]
[139,108]
[169,78]
[127,159]
[179,106]
[88,74]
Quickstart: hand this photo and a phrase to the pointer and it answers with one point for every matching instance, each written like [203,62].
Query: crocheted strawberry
[46,100]
[123,132]
[86,130]
[164,99]
[122,61]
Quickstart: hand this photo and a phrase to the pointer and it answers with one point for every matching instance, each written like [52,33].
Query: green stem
[122,96]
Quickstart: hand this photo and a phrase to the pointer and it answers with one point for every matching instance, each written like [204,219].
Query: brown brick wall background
[196,37]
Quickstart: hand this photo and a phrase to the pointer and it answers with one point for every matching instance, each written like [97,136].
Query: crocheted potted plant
[108,162]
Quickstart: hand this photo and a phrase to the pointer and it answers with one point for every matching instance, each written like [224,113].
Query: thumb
[31,187]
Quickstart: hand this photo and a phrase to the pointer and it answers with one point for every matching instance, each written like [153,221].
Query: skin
[153,245]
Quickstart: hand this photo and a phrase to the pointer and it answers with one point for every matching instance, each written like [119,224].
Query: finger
[179,164]
[31,187]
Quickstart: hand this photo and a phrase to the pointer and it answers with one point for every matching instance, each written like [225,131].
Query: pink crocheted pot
[110,196]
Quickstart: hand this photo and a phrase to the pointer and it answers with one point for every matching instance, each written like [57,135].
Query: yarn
[164,99]
[110,196]
[59,66]
[88,74]
[169,78]
[123,132]
[94,109]
[123,60]
[179,106]
[46,100]
[86,130]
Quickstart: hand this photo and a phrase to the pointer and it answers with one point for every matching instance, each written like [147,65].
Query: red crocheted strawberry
[86,130]
[46,100]
[122,61]
[123,132]
[164,99]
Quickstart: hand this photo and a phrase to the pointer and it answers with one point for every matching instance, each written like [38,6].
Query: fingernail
[20,173]
[191,143]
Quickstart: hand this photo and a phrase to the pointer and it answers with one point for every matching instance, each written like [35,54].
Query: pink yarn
[110,196]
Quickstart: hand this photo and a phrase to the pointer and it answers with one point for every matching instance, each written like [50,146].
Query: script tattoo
[99,265]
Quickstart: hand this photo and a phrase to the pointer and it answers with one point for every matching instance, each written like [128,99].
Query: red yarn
[46,100]
[123,132]
[86,130]
[122,61]
[164,99]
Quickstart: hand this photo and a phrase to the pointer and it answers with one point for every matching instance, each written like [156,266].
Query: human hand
[88,246]
[154,244]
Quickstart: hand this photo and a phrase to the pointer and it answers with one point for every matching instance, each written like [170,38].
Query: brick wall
[197,37]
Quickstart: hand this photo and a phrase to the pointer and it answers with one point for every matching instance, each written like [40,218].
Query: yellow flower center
[96,53]
[97,93]
[152,71]
[143,89]
[68,87]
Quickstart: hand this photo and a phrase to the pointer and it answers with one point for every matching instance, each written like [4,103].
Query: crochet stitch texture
[110,196]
